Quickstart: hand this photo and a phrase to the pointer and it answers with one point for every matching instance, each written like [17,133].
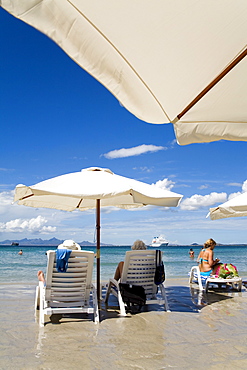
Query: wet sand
[192,336]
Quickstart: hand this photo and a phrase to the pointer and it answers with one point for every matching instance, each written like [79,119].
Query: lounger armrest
[195,274]
[41,288]
[41,284]
[112,282]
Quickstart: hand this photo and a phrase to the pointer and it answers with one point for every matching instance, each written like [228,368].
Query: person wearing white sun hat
[67,244]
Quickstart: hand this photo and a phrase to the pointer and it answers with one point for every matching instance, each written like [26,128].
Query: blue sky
[56,119]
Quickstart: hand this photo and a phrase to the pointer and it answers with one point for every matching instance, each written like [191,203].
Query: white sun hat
[69,244]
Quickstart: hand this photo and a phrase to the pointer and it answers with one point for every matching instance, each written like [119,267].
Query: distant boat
[15,244]
[159,241]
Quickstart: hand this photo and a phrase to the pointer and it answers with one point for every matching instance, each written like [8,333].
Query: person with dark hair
[191,253]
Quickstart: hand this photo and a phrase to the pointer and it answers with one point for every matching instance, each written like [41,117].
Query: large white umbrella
[235,207]
[94,188]
[174,61]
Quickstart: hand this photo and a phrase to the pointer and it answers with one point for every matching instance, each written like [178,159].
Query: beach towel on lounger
[62,257]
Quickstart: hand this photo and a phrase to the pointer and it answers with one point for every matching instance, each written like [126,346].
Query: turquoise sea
[23,269]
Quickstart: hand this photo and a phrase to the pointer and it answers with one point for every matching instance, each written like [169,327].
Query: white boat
[159,241]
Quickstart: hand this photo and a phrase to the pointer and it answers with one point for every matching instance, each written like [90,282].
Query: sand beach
[210,334]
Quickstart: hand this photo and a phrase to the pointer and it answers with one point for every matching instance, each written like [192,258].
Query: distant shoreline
[85,244]
[53,242]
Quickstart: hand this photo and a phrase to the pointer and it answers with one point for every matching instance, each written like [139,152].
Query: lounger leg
[163,293]
[199,278]
[37,299]
[95,306]
[41,305]
[195,269]
[191,275]
[237,286]
[108,293]
[121,304]
[41,317]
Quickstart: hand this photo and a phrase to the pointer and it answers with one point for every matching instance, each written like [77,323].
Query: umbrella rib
[78,205]
[212,84]
[126,61]
[28,196]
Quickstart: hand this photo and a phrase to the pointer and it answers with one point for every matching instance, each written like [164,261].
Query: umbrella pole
[98,248]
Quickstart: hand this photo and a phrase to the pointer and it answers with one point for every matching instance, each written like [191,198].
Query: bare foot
[41,276]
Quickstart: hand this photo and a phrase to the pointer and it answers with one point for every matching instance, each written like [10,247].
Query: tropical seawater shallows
[15,268]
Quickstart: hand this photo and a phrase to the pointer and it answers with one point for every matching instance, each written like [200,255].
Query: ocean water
[23,269]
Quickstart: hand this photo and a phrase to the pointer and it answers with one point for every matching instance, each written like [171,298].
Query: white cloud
[174,142]
[198,201]
[130,152]
[143,169]
[6,197]
[6,169]
[244,186]
[234,184]
[164,184]
[203,187]
[244,189]
[33,225]
[233,195]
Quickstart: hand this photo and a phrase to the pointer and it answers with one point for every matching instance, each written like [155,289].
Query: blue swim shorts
[206,273]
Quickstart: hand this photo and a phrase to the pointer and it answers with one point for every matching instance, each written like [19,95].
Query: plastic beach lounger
[195,276]
[68,292]
[139,269]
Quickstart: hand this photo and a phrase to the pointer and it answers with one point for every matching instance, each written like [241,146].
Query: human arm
[199,257]
[119,270]
[211,261]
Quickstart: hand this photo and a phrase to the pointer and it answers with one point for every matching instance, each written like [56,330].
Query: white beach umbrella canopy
[93,187]
[174,61]
[79,190]
[235,207]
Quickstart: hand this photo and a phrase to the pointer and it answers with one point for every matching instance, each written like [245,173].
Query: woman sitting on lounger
[207,264]
[138,244]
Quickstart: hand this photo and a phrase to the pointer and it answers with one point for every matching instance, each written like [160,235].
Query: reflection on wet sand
[201,298]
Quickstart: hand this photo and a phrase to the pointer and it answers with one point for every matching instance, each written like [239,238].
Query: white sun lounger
[70,291]
[139,269]
[195,276]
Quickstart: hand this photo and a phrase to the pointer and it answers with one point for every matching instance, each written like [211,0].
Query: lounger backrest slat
[69,304]
[60,275]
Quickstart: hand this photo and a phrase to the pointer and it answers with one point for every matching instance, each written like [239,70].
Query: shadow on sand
[180,299]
